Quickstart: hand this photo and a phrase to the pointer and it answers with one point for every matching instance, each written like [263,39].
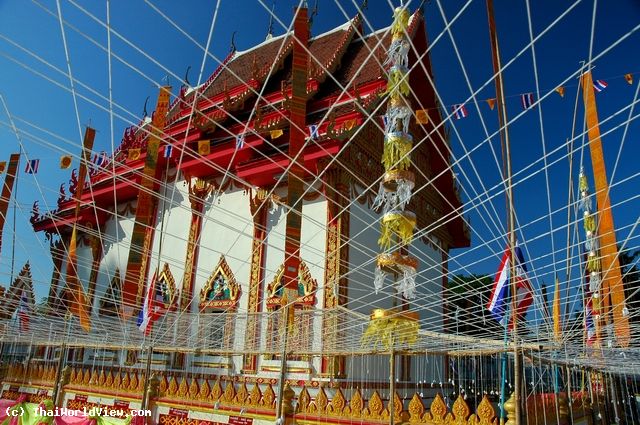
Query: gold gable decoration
[221,291]
[110,301]
[23,282]
[274,287]
[181,392]
[169,290]
[307,287]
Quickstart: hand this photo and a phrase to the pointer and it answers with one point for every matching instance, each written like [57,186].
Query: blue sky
[35,101]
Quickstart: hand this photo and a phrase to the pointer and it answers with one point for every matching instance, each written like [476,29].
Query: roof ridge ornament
[270,28]
[314,12]
[144,108]
[232,47]
[186,77]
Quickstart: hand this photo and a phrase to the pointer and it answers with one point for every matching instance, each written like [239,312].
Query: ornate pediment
[221,291]
[165,288]
[21,286]
[110,301]
[307,287]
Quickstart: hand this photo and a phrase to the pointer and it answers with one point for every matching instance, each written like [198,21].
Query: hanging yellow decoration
[589,223]
[400,22]
[398,83]
[396,152]
[398,224]
[390,327]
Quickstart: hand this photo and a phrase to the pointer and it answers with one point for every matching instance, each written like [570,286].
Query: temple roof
[345,77]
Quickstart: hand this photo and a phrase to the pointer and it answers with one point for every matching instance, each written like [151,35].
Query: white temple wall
[117,241]
[429,285]
[363,248]
[227,229]
[313,243]
[273,257]
[274,244]
[175,210]
[84,258]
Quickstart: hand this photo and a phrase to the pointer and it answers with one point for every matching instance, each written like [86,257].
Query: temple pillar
[96,251]
[259,206]
[199,190]
[336,264]
[57,255]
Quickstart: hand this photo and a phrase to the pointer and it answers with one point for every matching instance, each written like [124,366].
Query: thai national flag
[240,141]
[168,151]
[385,122]
[460,111]
[527,100]
[32,166]
[152,308]
[313,131]
[24,313]
[499,301]
[600,85]
[100,160]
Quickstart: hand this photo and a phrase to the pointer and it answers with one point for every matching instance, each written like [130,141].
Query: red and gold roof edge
[353,105]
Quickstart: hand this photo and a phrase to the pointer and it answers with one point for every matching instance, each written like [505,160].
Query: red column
[146,210]
[259,206]
[199,190]
[336,264]
[297,136]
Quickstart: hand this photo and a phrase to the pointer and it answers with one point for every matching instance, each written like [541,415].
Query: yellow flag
[629,78]
[560,91]
[3,166]
[276,133]
[65,161]
[557,326]
[349,124]
[204,147]
[133,154]
[422,117]
[492,103]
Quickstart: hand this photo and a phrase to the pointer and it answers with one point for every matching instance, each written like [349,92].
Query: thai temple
[248,209]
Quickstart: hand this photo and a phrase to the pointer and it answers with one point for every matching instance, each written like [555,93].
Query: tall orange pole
[141,239]
[613,299]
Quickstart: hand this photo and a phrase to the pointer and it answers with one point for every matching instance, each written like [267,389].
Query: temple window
[303,326]
[220,294]
[110,301]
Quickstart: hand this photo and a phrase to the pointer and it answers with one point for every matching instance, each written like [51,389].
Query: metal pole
[392,385]
[569,394]
[56,387]
[283,360]
[504,135]
[145,394]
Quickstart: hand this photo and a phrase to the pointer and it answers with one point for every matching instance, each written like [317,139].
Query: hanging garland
[397,185]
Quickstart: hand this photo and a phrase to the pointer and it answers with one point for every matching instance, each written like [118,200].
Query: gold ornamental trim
[394,313]
[407,216]
[290,369]
[214,365]
[391,177]
[228,289]
[392,262]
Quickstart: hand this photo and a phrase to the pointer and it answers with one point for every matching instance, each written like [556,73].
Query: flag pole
[15,207]
[504,137]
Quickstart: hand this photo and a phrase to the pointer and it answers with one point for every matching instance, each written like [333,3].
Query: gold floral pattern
[182,392]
